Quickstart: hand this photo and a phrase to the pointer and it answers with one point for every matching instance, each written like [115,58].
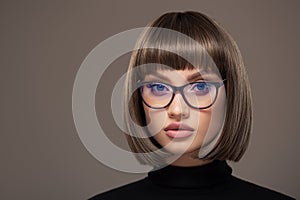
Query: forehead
[181,76]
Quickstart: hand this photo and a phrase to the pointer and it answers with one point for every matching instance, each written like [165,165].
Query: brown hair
[225,54]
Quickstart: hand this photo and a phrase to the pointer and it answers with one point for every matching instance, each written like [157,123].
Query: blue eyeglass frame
[180,89]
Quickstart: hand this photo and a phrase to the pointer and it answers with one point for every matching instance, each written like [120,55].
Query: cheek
[202,121]
[156,120]
[216,120]
[146,110]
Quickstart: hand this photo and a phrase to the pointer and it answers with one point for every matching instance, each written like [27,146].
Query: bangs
[154,60]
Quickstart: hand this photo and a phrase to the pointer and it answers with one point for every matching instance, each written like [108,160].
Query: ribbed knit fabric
[210,181]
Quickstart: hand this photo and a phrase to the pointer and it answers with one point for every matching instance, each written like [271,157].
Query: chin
[182,149]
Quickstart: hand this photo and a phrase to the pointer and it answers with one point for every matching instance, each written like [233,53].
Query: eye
[200,88]
[158,89]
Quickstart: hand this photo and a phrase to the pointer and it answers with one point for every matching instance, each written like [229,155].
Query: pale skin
[207,123]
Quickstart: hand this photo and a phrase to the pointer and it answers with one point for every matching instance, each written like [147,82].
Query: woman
[188,88]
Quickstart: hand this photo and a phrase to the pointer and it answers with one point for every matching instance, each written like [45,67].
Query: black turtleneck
[210,181]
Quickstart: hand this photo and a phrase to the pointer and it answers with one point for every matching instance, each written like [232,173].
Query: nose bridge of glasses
[178,99]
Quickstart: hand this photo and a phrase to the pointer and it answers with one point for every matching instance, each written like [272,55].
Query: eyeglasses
[198,95]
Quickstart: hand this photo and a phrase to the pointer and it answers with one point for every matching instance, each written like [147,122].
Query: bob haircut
[234,137]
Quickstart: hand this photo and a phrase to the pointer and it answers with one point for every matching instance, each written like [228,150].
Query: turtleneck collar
[213,173]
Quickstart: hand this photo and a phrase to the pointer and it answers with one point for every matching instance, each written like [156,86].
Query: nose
[178,108]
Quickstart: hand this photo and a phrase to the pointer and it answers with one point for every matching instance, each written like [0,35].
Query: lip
[178,130]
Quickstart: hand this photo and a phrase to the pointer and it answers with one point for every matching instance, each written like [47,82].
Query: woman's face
[180,128]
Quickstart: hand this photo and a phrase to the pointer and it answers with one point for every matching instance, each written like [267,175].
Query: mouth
[178,130]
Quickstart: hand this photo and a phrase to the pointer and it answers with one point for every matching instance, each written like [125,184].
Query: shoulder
[251,190]
[124,192]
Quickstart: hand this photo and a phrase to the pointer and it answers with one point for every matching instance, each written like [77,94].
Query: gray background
[42,46]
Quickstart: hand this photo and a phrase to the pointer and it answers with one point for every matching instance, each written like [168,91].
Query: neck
[189,160]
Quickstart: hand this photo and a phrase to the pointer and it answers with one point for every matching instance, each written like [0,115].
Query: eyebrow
[191,77]
[194,76]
